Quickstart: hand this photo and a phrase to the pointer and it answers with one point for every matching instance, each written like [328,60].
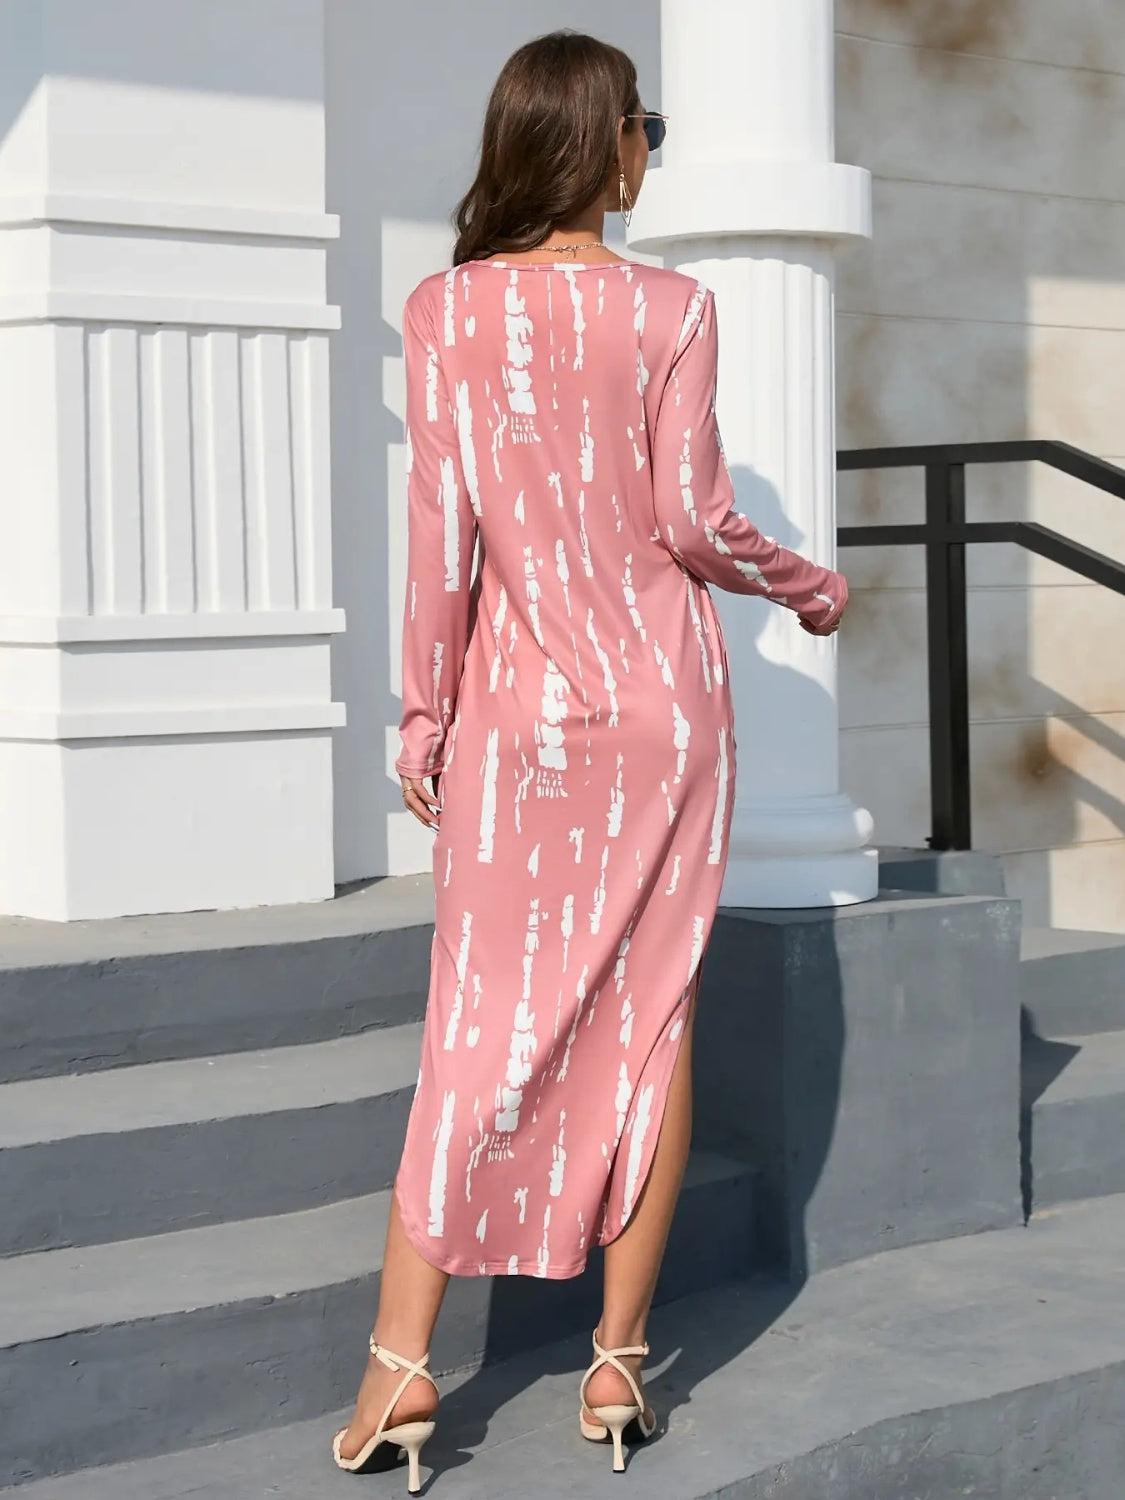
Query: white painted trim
[211,312]
[818,198]
[20,210]
[18,630]
[122,724]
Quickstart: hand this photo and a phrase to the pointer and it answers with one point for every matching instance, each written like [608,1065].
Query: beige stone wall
[989,305]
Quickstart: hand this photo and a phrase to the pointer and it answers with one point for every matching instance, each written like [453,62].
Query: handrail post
[948,656]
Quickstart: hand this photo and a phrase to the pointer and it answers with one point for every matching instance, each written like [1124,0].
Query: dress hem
[456,1265]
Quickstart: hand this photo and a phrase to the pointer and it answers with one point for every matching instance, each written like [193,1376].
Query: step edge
[400,1073]
[66,1261]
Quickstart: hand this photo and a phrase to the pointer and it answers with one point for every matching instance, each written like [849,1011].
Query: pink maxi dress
[564,671]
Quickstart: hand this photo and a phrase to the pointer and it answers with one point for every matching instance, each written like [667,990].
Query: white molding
[51,630]
[698,201]
[144,723]
[18,211]
[211,312]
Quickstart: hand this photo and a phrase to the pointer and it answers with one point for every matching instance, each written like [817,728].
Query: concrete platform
[867,1058]
[990,1365]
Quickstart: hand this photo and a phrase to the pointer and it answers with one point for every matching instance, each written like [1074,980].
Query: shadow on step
[1042,1060]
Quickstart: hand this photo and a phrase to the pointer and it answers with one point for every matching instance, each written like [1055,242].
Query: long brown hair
[549,143]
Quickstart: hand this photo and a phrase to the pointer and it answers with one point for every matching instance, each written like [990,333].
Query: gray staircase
[201,1116]
[1074,1114]
[80,996]
[988,1365]
[293,1127]
[180,1338]
[1072,983]
[1072,1003]
[198,1137]
[1072,1096]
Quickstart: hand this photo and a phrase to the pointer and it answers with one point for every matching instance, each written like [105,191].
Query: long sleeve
[440,599]
[694,495]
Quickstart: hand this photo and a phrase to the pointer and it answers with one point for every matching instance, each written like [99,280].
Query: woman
[566,733]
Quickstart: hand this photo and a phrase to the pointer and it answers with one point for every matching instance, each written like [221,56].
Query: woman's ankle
[620,1335]
[401,1340]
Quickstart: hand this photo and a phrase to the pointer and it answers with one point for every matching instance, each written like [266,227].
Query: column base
[104,828]
[772,880]
[806,850]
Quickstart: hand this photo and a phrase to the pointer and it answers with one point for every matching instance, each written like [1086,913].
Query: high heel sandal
[631,1420]
[408,1436]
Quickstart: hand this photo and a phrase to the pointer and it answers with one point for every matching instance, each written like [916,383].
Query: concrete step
[140,1346]
[1072,983]
[162,1146]
[988,1365]
[1073,1117]
[940,872]
[80,996]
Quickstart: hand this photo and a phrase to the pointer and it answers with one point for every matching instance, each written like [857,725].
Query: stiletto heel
[632,1420]
[411,1436]
[387,1444]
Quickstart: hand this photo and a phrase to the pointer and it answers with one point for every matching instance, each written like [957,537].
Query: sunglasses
[655,127]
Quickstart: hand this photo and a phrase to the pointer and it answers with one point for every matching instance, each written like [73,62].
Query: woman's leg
[632,1260]
[410,1296]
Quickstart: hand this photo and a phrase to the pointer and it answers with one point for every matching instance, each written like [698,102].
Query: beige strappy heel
[634,1420]
[408,1436]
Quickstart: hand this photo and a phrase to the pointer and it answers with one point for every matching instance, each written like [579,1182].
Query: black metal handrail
[944,534]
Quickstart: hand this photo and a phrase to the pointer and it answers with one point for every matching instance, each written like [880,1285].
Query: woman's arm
[440,601]
[694,496]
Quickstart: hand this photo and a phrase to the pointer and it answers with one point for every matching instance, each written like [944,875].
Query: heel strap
[395,1361]
[611,1357]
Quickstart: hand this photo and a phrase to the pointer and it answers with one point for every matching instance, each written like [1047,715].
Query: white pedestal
[165,585]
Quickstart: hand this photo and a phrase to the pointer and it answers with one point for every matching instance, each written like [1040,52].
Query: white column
[165,588]
[749,199]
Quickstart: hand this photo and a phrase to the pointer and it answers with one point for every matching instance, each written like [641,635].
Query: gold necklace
[573,249]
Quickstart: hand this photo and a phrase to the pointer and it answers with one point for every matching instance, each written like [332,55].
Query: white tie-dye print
[550,734]
[465,442]
[641,1121]
[448,309]
[439,1170]
[586,446]
[569,505]
[431,400]
[558,1159]
[516,374]
[459,993]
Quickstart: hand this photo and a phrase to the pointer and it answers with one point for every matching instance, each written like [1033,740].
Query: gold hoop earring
[625,199]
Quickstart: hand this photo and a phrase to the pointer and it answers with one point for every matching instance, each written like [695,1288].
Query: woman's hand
[829,629]
[824,630]
[422,803]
